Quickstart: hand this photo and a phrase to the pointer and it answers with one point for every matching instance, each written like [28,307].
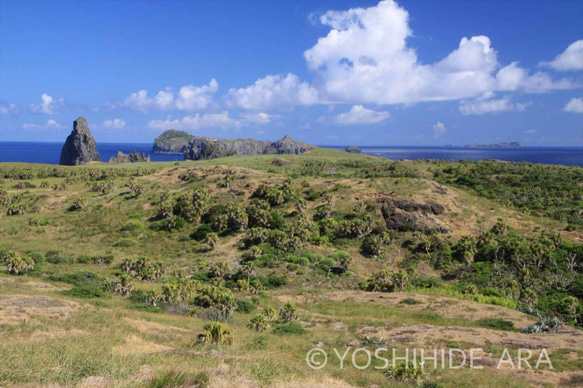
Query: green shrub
[37,256]
[410,301]
[85,291]
[125,243]
[291,328]
[244,306]
[132,226]
[496,324]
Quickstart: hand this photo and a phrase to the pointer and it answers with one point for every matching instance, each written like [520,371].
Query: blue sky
[325,72]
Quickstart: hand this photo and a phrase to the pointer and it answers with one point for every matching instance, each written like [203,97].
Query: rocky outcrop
[172,141]
[353,150]
[132,157]
[80,146]
[404,215]
[201,148]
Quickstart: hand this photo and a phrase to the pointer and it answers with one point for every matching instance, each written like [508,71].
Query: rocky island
[132,157]
[172,141]
[201,148]
[512,144]
[80,146]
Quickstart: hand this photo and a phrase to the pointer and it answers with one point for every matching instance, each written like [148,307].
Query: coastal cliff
[172,141]
[201,148]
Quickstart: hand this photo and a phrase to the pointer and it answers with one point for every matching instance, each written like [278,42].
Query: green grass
[93,339]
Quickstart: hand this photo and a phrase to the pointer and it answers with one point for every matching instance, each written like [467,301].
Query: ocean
[49,153]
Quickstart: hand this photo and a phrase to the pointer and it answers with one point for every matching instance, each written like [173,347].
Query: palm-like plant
[212,240]
[16,264]
[288,313]
[269,313]
[258,323]
[216,333]
[124,286]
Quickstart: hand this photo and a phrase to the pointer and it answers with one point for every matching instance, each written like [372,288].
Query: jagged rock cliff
[80,146]
[172,141]
[132,157]
[200,148]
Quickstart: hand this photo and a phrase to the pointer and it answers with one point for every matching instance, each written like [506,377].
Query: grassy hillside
[227,272]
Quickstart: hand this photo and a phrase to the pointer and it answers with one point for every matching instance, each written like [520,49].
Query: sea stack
[80,146]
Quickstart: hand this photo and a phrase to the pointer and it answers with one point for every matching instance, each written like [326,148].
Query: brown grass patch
[152,327]
[135,346]
[16,309]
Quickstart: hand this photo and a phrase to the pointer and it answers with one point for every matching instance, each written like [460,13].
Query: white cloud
[189,98]
[51,124]
[570,59]
[192,97]
[6,108]
[273,91]
[488,104]
[48,106]
[530,132]
[258,118]
[365,59]
[439,128]
[575,105]
[361,115]
[197,121]
[114,124]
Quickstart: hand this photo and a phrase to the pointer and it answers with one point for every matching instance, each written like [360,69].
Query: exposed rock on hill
[353,150]
[201,148]
[404,215]
[172,141]
[132,157]
[80,146]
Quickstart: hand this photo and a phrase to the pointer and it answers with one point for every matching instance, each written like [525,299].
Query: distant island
[200,148]
[172,141]
[512,144]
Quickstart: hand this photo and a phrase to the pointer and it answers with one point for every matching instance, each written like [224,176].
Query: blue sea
[49,153]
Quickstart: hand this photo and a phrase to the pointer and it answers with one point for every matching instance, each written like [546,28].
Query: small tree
[216,333]
[212,240]
[269,313]
[15,264]
[124,286]
[79,203]
[243,285]
[258,323]
[288,313]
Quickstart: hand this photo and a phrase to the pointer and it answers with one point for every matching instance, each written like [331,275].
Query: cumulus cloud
[114,124]
[575,105]
[192,97]
[365,59]
[570,59]
[439,128]
[358,114]
[189,98]
[197,121]
[258,118]
[48,105]
[6,108]
[273,91]
[50,124]
[488,104]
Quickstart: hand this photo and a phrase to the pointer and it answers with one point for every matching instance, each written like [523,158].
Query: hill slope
[135,260]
